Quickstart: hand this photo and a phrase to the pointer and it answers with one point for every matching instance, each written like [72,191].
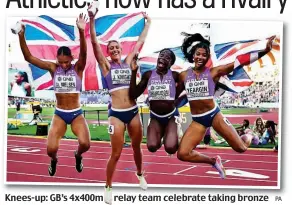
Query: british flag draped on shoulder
[45,35]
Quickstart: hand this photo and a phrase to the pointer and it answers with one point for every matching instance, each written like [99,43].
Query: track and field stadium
[27,159]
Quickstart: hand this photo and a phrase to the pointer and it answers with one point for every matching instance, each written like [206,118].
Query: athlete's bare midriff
[162,107]
[68,101]
[201,106]
[121,99]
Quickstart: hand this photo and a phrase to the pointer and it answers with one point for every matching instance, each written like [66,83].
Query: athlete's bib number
[197,88]
[65,83]
[121,76]
[159,92]
[111,129]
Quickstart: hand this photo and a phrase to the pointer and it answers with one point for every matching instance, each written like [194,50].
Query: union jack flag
[149,62]
[45,35]
[241,52]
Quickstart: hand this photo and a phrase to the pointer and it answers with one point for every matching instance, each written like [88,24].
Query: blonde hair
[111,41]
[256,125]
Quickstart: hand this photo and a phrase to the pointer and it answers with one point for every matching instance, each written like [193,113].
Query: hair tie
[192,45]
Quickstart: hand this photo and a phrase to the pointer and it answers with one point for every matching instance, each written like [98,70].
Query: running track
[27,161]
[234,119]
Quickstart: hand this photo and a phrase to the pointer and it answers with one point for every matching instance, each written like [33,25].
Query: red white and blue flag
[149,62]
[45,35]
[242,53]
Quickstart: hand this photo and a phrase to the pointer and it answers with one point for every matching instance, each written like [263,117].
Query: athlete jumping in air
[199,84]
[67,79]
[124,111]
[161,86]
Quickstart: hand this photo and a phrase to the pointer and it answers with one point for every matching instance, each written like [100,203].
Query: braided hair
[191,43]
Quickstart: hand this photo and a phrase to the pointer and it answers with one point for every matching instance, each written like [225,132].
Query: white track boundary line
[91,146]
[129,154]
[145,163]
[268,150]
[187,175]
[176,173]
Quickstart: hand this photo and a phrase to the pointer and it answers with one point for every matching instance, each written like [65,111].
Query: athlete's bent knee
[240,149]
[152,148]
[84,145]
[170,149]
[182,155]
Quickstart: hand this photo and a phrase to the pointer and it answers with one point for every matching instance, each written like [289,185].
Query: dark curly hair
[188,49]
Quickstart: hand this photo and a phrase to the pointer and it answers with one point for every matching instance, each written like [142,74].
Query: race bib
[111,129]
[65,83]
[121,76]
[197,88]
[159,92]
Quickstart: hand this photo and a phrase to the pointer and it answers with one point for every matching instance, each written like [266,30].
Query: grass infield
[100,133]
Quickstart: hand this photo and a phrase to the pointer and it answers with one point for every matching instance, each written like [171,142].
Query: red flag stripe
[117,26]
[242,84]
[45,85]
[55,36]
